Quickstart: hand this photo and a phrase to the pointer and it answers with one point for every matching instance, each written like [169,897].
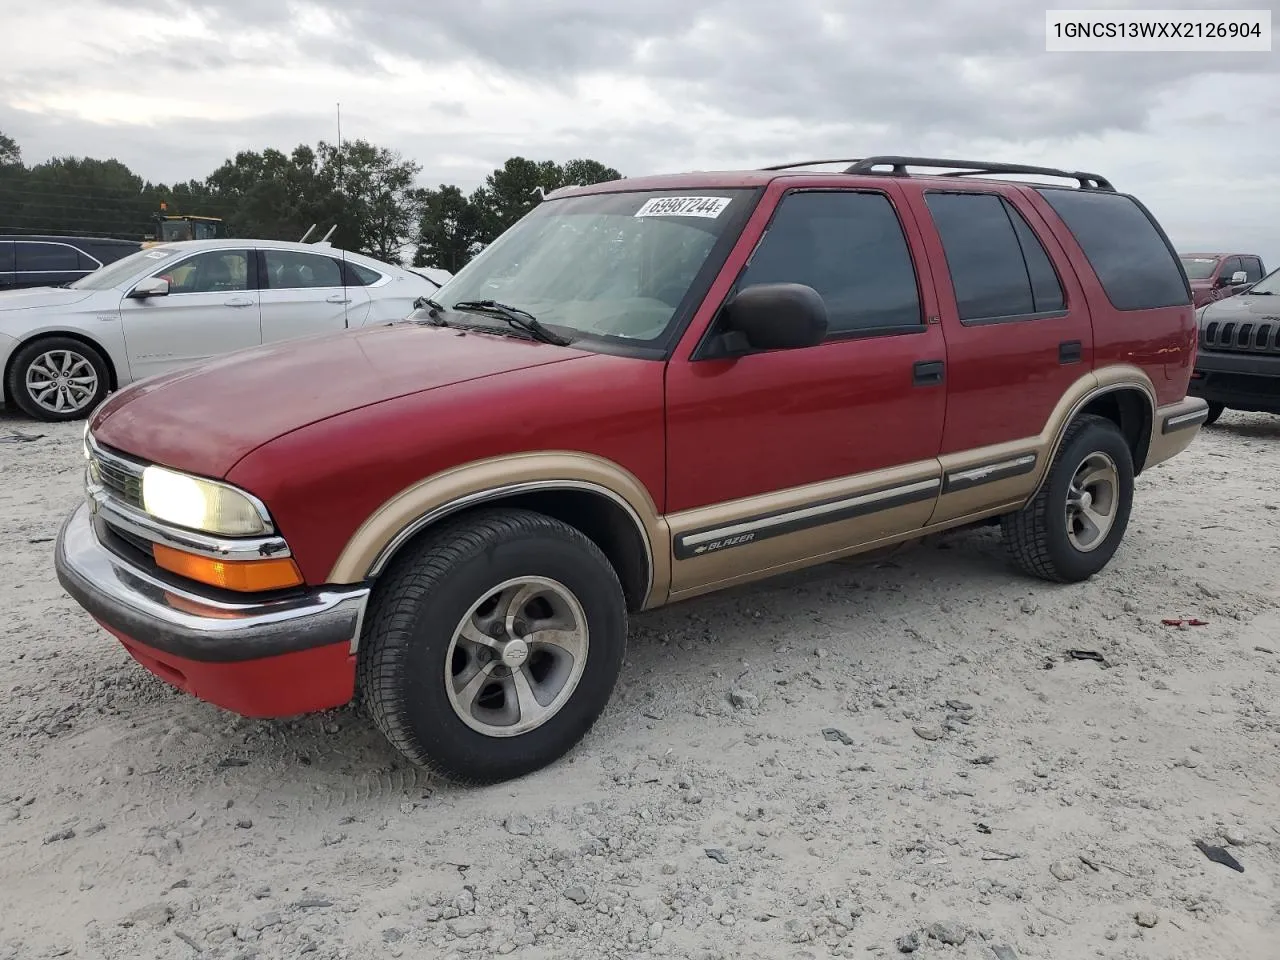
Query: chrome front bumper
[132,602]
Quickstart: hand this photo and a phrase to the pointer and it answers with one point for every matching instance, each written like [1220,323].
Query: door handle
[927,372]
[337,299]
[1070,351]
[239,302]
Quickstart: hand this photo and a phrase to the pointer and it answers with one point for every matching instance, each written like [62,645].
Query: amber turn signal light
[245,576]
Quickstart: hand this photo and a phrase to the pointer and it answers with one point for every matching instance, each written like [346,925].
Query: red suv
[644,391]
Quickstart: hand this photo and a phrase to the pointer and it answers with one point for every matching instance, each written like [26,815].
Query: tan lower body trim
[1174,428]
[729,543]
[843,552]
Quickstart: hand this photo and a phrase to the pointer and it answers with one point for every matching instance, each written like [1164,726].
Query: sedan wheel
[58,379]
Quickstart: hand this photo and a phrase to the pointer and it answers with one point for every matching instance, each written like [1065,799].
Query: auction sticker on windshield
[710,207]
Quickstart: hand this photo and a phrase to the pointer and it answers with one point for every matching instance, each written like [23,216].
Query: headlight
[199,504]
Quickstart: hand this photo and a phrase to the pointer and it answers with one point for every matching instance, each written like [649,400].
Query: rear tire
[1215,411]
[1073,526]
[492,647]
[54,372]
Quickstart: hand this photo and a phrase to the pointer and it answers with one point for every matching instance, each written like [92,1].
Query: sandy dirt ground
[881,759]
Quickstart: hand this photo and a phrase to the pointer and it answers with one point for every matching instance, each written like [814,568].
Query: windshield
[115,274]
[1199,268]
[612,265]
[1270,284]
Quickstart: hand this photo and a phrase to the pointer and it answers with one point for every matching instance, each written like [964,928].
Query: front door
[783,457]
[302,295]
[211,309]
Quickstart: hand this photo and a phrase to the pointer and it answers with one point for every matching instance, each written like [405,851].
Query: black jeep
[1238,363]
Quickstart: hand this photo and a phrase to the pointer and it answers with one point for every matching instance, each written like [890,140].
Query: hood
[37,297]
[1241,307]
[205,418]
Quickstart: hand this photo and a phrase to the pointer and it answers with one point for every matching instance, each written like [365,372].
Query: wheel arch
[606,503]
[1122,394]
[113,378]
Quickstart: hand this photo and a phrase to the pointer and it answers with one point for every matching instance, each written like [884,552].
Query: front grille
[121,478]
[1254,336]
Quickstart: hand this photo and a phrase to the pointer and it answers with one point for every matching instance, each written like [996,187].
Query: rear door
[303,294]
[1018,337]
[211,309]
[1017,325]
[40,263]
[361,281]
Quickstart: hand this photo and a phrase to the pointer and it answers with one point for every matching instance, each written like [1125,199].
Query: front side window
[613,266]
[47,257]
[218,271]
[1252,268]
[6,256]
[998,266]
[1125,248]
[287,270]
[1229,268]
[850,248]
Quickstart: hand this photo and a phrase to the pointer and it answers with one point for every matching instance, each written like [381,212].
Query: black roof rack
[1087,181]
[809,163]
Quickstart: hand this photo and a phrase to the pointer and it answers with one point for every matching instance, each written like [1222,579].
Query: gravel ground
[869,759]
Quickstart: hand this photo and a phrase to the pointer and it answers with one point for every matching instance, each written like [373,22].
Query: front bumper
[266,659]
[1241,381]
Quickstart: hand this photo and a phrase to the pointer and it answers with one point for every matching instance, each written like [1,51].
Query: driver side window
[849,247]
[217,271]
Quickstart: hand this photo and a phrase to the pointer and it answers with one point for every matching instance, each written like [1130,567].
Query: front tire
[57,379]
[1074,525]
[1215,411]
[492,647]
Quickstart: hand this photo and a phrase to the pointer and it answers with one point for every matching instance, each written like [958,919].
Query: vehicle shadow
[1257,427]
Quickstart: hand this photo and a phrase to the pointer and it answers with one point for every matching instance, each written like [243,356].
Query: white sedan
[62,349]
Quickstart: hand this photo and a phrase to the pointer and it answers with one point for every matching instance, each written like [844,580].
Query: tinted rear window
[1133,262]
[39,257]
[6,255]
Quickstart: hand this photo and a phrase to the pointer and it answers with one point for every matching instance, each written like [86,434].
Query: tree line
[368,194]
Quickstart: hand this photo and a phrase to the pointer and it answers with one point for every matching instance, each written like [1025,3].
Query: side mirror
[1239,277]
[774,316]
[150,287]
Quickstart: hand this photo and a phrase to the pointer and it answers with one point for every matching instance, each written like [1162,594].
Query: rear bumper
[276,658]
[1176,425]
[1242,381]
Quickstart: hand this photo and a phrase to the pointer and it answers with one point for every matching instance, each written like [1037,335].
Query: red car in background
[1216,276]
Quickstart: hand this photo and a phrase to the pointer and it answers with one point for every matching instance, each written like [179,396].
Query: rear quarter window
[1134,263]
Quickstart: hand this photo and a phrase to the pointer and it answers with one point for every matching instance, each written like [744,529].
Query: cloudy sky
[172,87]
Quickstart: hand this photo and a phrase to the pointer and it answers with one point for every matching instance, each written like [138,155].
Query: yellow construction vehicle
[170,228]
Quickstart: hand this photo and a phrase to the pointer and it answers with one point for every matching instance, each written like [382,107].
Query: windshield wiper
[522,319]
[434,310]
